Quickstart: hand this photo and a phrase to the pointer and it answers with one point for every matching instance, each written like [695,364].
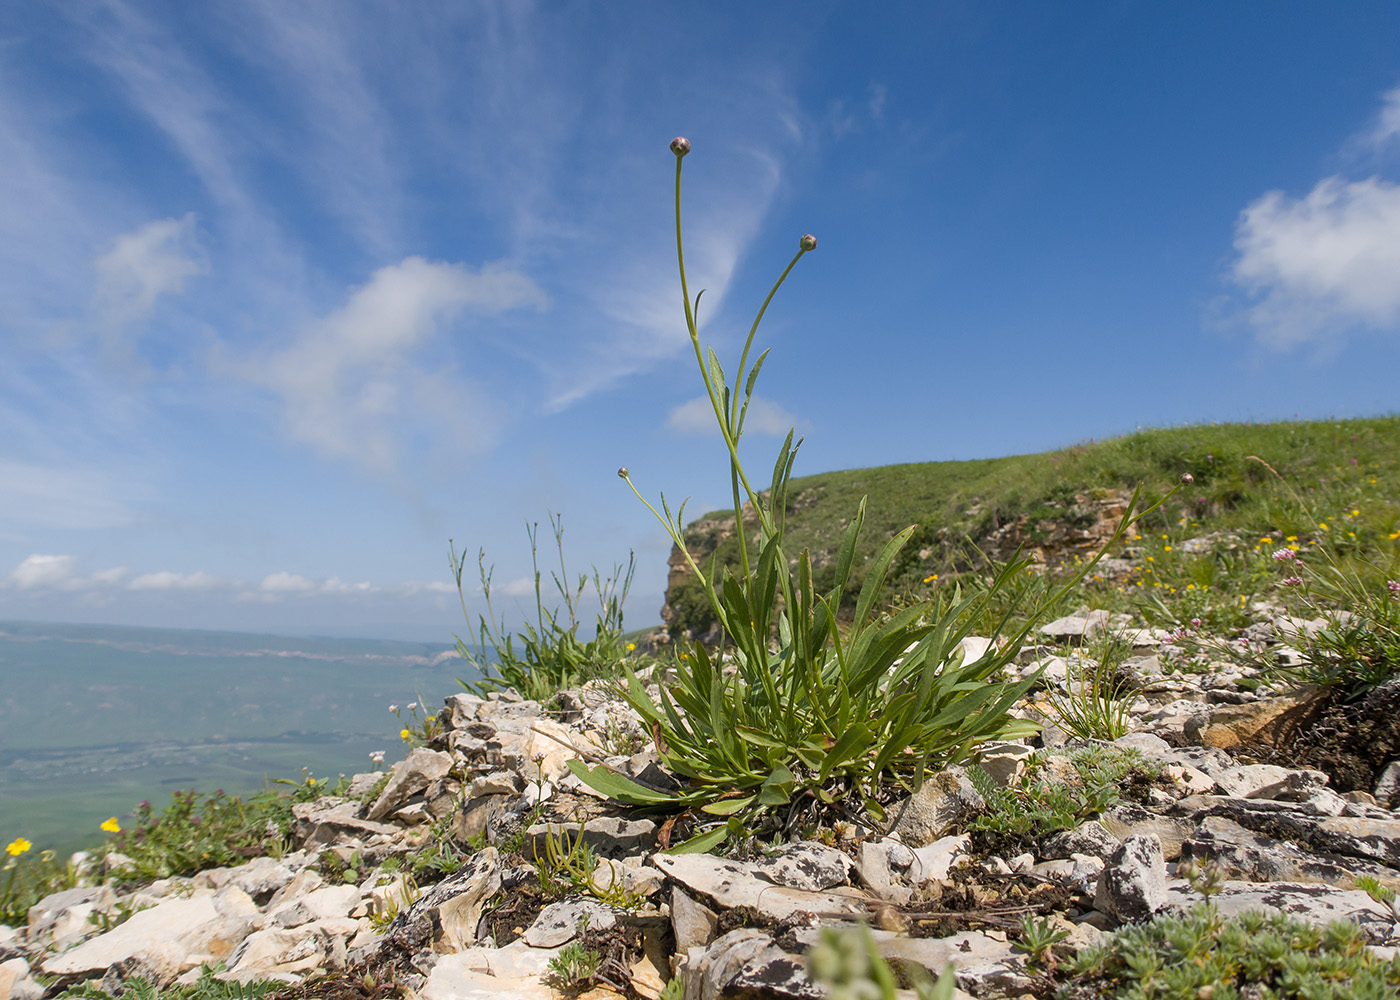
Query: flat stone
[734,883]
[806,865]
[328,820]
[559,923]
[1310,901]
[608,836]
[934,861]
[324,903]
[511,961]
[166,934]
[1242,854]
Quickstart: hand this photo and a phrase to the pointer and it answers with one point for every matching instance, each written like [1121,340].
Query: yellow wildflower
[111,825]
[17,847]
[930,579]
[1324,527]
[404,734]
[631,646]
[1166,548]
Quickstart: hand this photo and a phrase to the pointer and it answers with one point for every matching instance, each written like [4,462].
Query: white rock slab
[735,883]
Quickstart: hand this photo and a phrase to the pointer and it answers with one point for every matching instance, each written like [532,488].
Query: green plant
[675,988]
[1096,703]
[1358,648]
[550,657]
[1039,935]
[812,703]
[206,987]
[402,892]
[1201,954]
[570,866]
[414,731]
[1372,887]
[198,831]
[28,881]
[1032,807]
[850,967]
[576,964]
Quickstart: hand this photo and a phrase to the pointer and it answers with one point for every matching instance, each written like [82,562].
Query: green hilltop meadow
[1334,479]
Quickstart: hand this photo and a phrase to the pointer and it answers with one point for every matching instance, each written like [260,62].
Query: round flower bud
[1186,477]
[622,472]
[680,145]
[808,242]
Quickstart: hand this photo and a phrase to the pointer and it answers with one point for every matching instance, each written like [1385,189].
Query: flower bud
[1186,477]
[622,472]
[680,145]
[808,242]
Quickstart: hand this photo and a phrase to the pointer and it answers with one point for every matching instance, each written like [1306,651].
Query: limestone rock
[608,836]
[693,925]
[328,820]
[1235,725]
[62,919]
[165,934]
[17,983]
[1088,838]
[559,923]
[409,776]
[734,883]
[1310,901]
[1134,881]
[807,865]
[946,798]
[933,861]
[445,917]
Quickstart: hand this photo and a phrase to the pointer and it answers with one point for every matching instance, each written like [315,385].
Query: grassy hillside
[1333,467]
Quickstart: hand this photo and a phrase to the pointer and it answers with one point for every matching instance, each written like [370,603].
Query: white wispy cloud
[1322,264]
[1387,125]
[697,416]
[46,496]
[353,383]
[142,266]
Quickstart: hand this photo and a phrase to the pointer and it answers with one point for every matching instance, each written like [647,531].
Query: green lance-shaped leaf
[777,788]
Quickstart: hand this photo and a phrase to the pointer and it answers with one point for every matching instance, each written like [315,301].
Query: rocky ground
[1222,772]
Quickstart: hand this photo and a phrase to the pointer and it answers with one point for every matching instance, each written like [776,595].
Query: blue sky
[292,293]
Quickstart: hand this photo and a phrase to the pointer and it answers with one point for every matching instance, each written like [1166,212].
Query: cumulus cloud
[353,383]
[43,571]
[142,266]
[284,583]
[168,580]
[1321,264]
[697,416]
